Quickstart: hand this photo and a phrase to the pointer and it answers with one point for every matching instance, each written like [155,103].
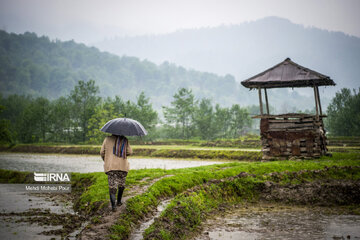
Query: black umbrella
[125,127]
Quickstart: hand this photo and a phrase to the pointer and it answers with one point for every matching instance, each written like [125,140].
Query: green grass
[140,205]
[192,147]
[148,151]
[186,212]
[189,209]
[93,187]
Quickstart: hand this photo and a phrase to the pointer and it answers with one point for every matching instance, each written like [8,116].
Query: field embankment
[147,151]
[230,149]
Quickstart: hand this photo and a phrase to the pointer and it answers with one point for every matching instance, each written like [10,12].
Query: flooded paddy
[31,216]
[282,222]
[85,163]
[17,205]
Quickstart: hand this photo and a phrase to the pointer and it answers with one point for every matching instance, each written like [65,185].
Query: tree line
[189,118]
[344,113]
[78,117]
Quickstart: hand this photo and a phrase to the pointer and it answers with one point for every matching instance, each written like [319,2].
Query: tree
[343,113]
[84,100]
[14,106]
[5,134]
[35,121]
[204,120]
[222,121]
[142,111]
[60,120]
[103,113]
[146,115]
[240,119]
[42,116]
[181,112]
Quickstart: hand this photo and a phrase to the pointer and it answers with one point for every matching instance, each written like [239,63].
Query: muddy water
[138,233]
[84,163]
[282,222]
[13,199]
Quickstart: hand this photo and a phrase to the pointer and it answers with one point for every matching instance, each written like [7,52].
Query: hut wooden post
[260,102]
[316,103]
[318,95]
[267,102]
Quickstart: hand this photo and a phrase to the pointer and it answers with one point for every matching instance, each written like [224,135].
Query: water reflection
[84,163]
[282,222]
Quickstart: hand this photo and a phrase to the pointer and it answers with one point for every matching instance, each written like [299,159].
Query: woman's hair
[120,146]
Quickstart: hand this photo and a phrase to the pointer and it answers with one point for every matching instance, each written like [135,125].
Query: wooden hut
[293,134]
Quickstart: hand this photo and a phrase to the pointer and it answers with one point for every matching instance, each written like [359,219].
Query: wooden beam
[316,103]
[260,101]
[318,95]
[267,102]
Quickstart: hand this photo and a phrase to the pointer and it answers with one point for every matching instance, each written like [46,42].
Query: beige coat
[111,161]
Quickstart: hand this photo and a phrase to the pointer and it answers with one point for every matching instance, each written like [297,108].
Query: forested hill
[40,67]
[249,48]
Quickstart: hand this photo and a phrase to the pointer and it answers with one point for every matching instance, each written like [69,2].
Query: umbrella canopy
[125,127]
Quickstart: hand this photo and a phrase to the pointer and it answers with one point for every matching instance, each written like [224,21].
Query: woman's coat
[111,161]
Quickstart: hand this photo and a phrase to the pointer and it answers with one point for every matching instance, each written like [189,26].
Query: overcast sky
[89,21]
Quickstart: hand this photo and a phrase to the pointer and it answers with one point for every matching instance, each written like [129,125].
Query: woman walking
[114,152]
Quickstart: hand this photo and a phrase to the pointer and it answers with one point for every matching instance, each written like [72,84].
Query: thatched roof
[288,74]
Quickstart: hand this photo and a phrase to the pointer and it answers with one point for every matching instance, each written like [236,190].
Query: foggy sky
[89,21]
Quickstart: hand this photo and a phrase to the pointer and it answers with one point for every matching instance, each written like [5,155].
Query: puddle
[15,200]
[84,163]
[138,233]
[281,222]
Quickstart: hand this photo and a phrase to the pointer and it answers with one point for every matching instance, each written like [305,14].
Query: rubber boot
[119,196]
[112,201]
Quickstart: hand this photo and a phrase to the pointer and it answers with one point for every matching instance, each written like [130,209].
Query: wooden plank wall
[286,137]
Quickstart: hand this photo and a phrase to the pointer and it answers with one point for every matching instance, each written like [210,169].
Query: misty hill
[35,65]
[249,48]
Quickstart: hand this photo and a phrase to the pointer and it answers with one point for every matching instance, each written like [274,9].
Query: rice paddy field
[235,196]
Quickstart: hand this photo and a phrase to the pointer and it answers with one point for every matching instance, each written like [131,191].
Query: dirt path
[100,229]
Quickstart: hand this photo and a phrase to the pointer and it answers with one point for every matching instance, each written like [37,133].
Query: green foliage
[142,111]
[84,100]
[239,120]
[61,122]
[102,114]
[37,66]
[204,120]
[182,111]
[72,119]
[35,121]
[11,176]
[189,119]
[138,207]
[145,113]
[343,114]
[5,134]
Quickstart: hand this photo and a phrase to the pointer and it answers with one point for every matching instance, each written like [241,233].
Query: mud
[36,216]
[43,217]
[138,233]
[274,221]
[99,227]
[318,190]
